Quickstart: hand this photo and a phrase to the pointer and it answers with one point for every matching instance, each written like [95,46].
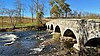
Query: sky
[92,6]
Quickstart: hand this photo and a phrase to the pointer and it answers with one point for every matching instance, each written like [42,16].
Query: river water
[23,43]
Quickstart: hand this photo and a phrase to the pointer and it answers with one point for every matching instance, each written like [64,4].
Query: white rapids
[8,37]
[39,49]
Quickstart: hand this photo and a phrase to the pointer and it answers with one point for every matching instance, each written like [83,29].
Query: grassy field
[19,22]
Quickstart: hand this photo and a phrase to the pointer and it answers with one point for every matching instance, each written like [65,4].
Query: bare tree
[32,9]
[37,8]
[19,10]
[11,13]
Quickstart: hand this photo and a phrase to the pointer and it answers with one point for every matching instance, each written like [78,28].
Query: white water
[8,37]
[39,49]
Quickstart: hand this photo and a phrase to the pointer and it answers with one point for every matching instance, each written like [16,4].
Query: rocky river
[24,43]
[28,43]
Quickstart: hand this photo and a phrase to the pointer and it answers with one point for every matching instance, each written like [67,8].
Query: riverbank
[17,29]
[57,48]
[22,24]
[25,28]
[60,49]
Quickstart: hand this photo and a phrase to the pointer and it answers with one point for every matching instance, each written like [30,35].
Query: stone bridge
[85,31]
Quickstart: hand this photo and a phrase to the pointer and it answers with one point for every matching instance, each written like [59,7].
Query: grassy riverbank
[21,24]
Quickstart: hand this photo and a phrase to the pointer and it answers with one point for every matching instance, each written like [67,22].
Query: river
[27,43]
[24,43]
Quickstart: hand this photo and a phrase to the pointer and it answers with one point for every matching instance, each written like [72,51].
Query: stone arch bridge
[85,30]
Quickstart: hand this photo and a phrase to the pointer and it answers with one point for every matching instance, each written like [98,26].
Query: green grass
[24,25]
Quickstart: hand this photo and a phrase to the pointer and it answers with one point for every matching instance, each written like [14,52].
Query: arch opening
[57,29]
[51,27]
[46,26]
[95,42]
[69,33]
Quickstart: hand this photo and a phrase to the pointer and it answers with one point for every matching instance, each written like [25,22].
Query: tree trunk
[2,21]
[66,14]
[12,23]
[32,17]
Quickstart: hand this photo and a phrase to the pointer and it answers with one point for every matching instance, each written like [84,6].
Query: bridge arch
[46,27]
[51,27]
[69,33]
[57,29]
[94,42]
